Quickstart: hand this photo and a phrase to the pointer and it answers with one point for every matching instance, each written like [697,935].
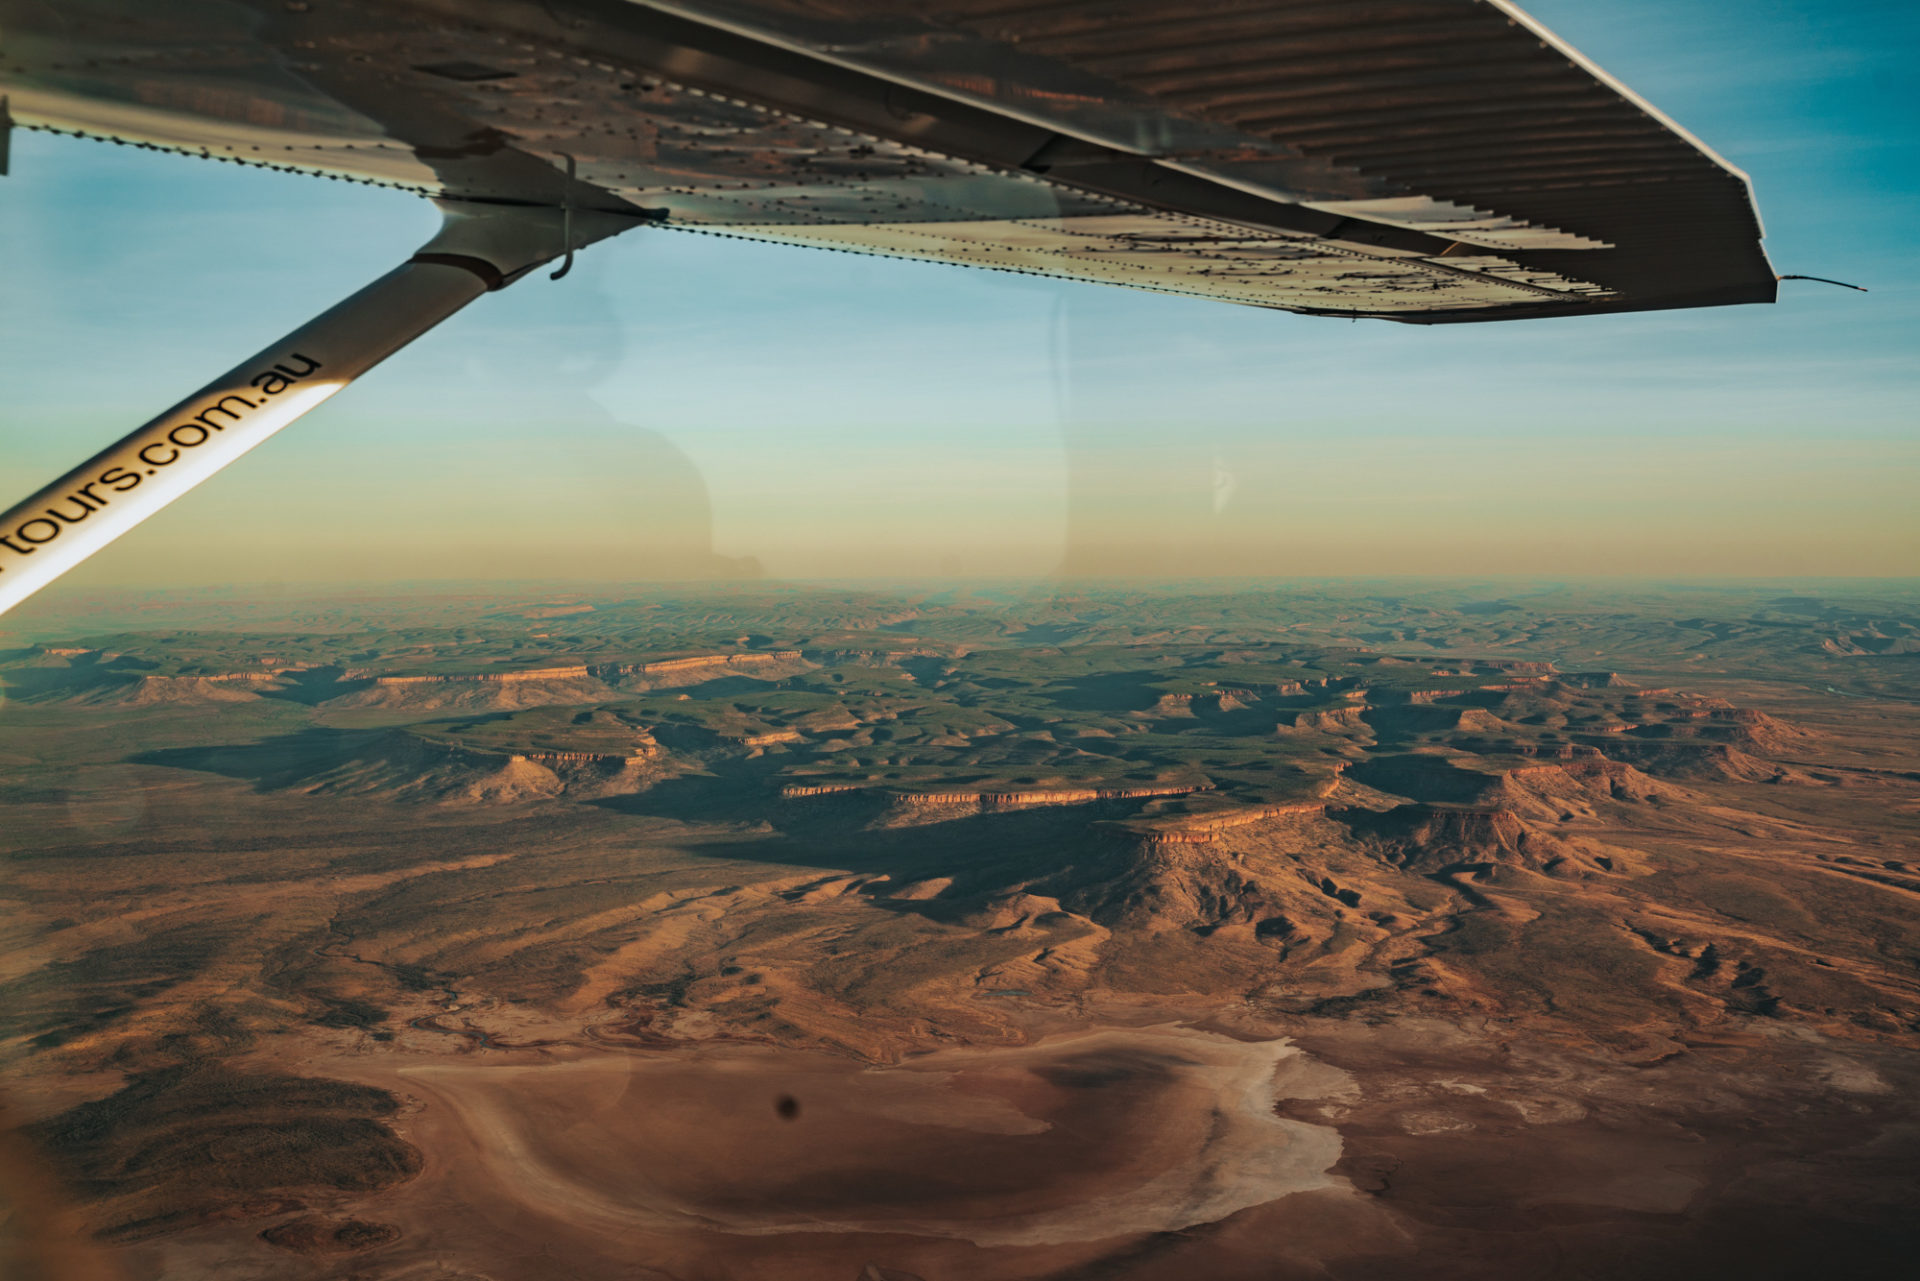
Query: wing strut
[480,247]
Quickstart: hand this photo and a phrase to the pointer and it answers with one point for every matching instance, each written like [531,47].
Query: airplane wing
[1413,160]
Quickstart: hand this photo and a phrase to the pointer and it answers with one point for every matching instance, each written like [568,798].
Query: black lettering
[272,383]
[220,407]
[85,511]
[157,462]
[310,362]
[24,551]
[174,435]
[114,475]
[39,520]
[87,489]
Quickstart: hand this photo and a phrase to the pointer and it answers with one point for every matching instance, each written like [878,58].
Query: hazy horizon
[281,606]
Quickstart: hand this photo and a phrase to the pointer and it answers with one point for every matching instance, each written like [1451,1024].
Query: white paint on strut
[63,524]
[478,247]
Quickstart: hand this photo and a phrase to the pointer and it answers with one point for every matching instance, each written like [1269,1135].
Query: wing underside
[1424,160]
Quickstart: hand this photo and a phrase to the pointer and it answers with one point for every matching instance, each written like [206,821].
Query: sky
[684,406]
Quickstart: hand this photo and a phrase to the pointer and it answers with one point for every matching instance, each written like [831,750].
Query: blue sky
[687,404]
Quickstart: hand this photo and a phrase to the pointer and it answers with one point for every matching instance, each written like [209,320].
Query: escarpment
[111,685]
[1040,796]
[552,685]
[88,677]
[409,768]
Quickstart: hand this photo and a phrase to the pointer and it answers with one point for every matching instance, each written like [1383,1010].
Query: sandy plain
[1074,1139]
[751,1161]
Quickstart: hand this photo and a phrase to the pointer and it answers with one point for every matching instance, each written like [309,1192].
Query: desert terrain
[1266,930]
